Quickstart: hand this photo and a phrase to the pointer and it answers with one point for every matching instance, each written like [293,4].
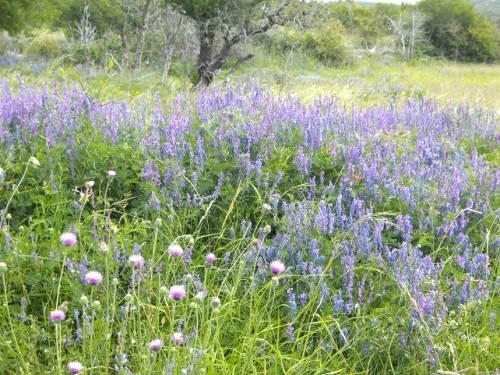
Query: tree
[458,32]
[235,20]
[408,31]
[15,14]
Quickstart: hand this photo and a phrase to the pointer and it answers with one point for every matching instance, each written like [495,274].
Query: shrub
[458,32]
[45,45]
[327,42]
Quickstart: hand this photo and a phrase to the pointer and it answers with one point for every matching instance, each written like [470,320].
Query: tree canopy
[15,14]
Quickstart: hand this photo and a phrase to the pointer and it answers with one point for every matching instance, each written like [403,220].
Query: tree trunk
[142,29]
[169,51]
[207,36]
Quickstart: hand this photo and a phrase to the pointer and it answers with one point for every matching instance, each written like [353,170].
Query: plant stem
[14,338]
[13,193]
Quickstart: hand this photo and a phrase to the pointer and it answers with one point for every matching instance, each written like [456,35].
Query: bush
[45,45]
[458,32]
[325,42]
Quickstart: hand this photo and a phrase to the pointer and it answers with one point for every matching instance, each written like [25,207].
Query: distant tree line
[207,34]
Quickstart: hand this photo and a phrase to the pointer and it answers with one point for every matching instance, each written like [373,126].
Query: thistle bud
[111,175]
[199,297]
[34,161]
[190,240]
[103,247]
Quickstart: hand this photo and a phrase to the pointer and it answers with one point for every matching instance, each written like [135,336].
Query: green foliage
[203,10]
[15,14]
[327,42]
[96,52]
[458,32]
[45,45]
[104,14]
[324,42]
[367,24]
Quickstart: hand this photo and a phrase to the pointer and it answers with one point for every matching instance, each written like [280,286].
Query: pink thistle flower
[210,258]
[68,239]
[136,260]
[178,338]
[93,278]
[175,250]
[277,267]
[177,292]
[57,316]
[75,367]
[156,345]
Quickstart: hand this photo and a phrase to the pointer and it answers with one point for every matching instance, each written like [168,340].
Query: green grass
[375,81]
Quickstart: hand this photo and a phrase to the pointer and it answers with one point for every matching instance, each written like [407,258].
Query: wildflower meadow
[235,231]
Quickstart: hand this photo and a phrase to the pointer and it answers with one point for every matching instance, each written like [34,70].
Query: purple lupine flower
[188,254]
[23,309]
[338,302]
[343,336]
[314,249]
[290,332]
